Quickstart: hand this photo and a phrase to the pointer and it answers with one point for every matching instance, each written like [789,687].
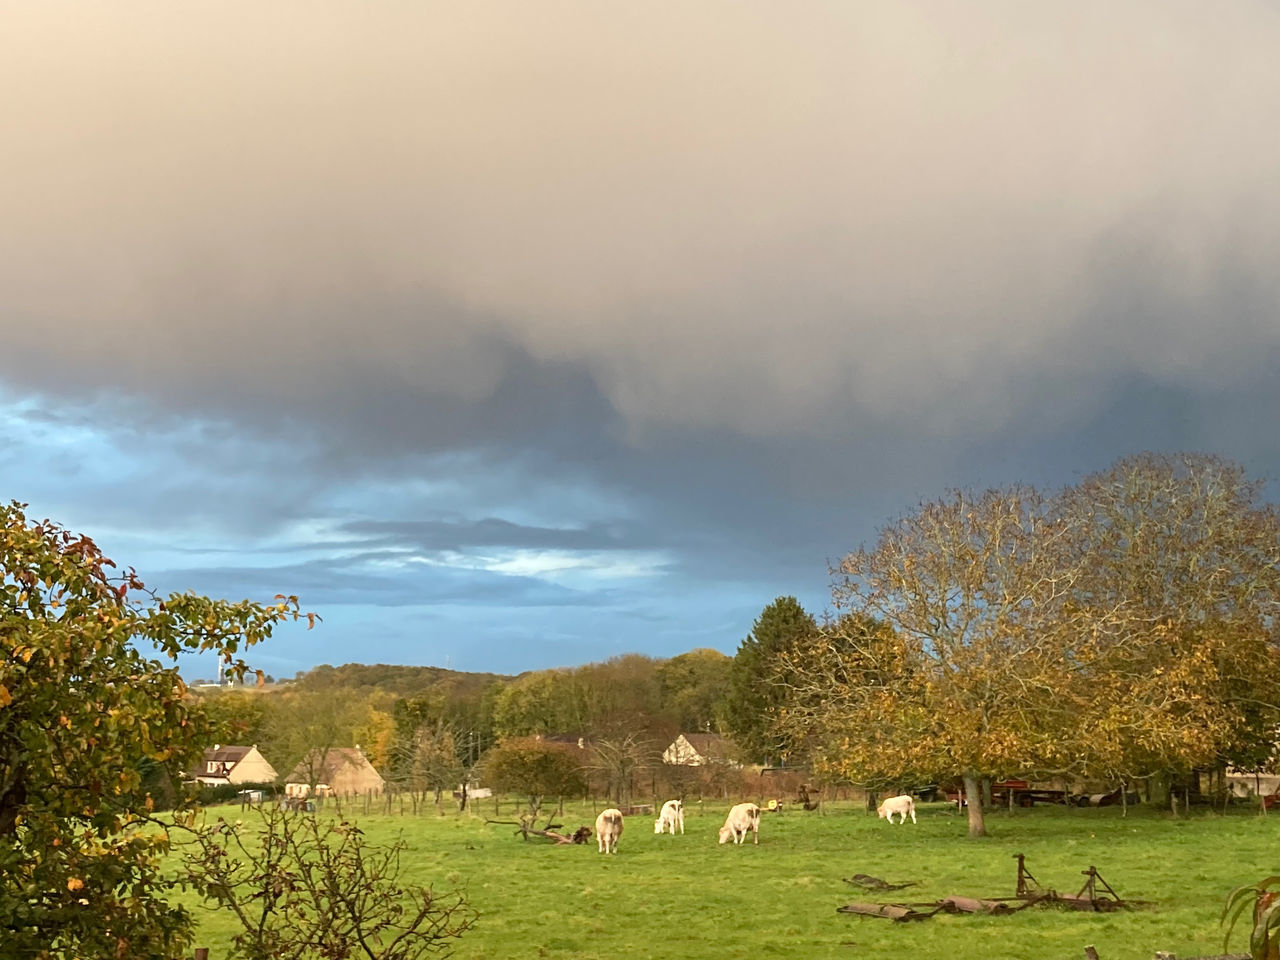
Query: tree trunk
[1158,792]
[973,797]
[986,793]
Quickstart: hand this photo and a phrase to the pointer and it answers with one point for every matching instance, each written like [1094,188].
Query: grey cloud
[729,216]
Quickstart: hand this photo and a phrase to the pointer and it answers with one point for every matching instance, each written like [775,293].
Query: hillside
[402,681]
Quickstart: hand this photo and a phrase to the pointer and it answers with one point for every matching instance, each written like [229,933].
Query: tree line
[432,737]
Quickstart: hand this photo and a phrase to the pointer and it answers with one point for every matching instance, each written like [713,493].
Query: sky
[511,335]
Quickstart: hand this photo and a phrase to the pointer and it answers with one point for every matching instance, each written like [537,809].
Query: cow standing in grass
[743,817]
[672,815]
[608,830]
[901,806]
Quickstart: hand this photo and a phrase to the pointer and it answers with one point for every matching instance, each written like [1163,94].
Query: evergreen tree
[757,686]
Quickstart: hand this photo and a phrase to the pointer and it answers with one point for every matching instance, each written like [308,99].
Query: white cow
[608,830]
[743,817]
[672,815]
[901,806]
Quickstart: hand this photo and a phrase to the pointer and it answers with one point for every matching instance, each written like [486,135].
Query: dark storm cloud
[729,216]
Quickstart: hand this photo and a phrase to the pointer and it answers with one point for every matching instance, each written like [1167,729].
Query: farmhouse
[228,764]
[698,750]
[340,770]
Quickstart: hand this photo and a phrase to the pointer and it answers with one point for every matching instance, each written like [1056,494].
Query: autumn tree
[237,716]
[598,699]
[693,686]
[619,697]
[536,703]
[955,656]
[1179,577]
[1125,628]
[86,708]
[374,729]
[853,674]
[535,768]
[756,689]
[304,728]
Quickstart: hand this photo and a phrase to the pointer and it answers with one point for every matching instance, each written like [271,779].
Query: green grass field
[686,896]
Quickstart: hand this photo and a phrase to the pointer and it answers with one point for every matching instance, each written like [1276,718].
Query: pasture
[671,898]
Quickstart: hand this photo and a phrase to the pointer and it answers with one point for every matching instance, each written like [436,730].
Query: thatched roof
[710,746]
[342,768]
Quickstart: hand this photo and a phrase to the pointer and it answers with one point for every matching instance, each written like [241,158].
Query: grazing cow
[672,816]
[743,817]
[901,806]
[608,830]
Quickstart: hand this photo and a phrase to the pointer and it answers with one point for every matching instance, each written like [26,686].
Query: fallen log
[973,905]
[553,836]
[581,835]
[887,910]
[523,828]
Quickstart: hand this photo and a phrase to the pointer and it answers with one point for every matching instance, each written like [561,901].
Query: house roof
[334,761]
[707,744]
[228,756]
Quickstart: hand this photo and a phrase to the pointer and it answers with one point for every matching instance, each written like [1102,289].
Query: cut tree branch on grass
[527,826]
